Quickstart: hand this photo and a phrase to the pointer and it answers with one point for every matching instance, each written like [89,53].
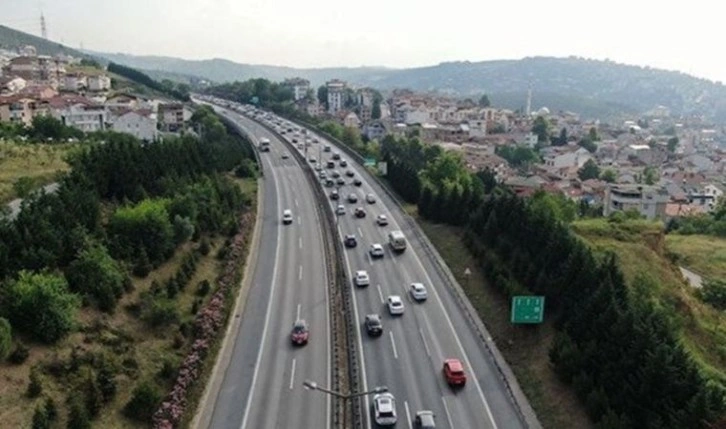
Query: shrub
[92,395]
[97,276]
[714,293]
[168,369]
[35,384]
[19,355]
[50,409]
[160,312]
[6,338]
[204,246]
[41,305]
[247,168]
[106,380]
[143,402]
[40,418]
[203,288]
[77,414]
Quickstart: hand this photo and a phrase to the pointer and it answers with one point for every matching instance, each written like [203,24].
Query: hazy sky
[397,33]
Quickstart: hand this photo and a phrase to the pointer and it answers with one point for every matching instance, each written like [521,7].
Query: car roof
[373,317]
[394,298]
[361,272]
[287,211]
[300,322]
[454,364]
[417,285]
[376,245]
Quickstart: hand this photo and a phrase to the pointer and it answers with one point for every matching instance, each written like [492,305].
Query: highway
[408,357]
[262,386]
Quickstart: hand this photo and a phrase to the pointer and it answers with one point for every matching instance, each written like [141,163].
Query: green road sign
[369,162]
[528,309]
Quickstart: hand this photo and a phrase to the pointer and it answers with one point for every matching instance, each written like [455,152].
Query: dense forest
[123,210]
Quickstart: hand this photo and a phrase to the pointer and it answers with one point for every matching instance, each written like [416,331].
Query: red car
[300,333]
[454,372]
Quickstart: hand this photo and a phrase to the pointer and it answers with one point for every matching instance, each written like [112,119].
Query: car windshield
[299,328]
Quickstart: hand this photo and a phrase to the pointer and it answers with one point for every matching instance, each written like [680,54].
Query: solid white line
[380,293]
[393,343]
[408,414]
[292,374]
[267,318]
[448,415]
[298,312]
[360,232]
[370,260]
[426,345]
[299,273]
[299,242]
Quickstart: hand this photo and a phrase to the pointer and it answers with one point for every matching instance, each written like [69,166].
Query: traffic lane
[236,387]
[311,293]
[269,397]
[493,392]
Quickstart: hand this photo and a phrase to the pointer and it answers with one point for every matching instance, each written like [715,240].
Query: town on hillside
[658,165]
[661,166]
[81,94]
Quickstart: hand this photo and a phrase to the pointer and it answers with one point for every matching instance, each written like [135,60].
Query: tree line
[146,80]
[618,350]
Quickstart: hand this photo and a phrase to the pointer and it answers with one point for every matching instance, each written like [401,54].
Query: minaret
[43,28]
[529,100]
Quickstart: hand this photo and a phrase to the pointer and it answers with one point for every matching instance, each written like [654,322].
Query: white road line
[299,242]
[267,320]
[299,220]
[380,293]
[299,273]
[360,232]
[298,312]
[426,345]
[292,374]
[448,415]
[393,343]
[408,414]
[296,204]
[370,260]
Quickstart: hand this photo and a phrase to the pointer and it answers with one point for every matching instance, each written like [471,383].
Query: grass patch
[524,348]
[136,349]
[39,162]
[704,254]
[645,254]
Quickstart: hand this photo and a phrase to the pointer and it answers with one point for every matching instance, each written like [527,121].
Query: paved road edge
[205,408]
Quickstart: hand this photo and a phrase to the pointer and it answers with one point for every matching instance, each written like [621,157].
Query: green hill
[11,39]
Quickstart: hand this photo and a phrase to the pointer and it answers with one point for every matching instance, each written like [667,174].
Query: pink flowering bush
[208,323]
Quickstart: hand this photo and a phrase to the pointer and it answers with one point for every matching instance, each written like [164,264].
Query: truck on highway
[264,144]
[397,241]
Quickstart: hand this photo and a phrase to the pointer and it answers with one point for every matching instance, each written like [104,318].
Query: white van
[397,241]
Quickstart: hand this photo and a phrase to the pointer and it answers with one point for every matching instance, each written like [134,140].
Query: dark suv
[374,326]
[350,241]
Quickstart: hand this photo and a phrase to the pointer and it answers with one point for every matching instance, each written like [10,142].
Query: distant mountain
[593,88]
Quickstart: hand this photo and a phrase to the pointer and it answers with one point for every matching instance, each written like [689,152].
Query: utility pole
[43,28]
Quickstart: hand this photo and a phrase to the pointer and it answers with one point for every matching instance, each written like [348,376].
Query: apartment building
[336,95]
[649,201]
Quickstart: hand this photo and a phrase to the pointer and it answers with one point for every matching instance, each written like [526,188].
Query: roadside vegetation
[114,288]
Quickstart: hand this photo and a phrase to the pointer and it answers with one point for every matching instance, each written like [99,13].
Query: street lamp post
[467,274]
[311,385]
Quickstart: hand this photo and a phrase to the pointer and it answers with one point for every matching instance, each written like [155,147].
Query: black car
[359,212]
[357,182]
[340,181]
[374,326]
[334,195]
[336,156]
[349,173]
[350,241]
[352,198]
[343,163]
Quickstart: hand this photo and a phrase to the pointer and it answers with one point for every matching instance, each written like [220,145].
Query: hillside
[593,88]
[644,253]
[11,39]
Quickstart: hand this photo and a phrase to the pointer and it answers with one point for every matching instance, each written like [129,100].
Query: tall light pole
[311,385]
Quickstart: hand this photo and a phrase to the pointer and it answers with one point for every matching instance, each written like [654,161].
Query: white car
[376,250]
[395,305]
[384,408]
[370,199]
[287,216]
[418,292]
[340,210]
[382,220]
[361,278]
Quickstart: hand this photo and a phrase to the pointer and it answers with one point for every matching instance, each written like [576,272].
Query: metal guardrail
[524,410]
[346,377]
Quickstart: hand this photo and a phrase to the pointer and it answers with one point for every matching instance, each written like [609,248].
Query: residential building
[17,109]
[85,117]
[336,95]
[173,116]
[649,201]
[706,196]
[559,157]
[351,120]
[12,84]
[139,123]
[74,82]
[299,87]
[99,83]
[477,129]
[123,102]
[375,130]
[530,140]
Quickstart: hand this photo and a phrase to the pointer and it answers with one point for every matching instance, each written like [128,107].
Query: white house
[99,83]
[351,120]
[336,95]
[477,128]
[74,82]
[139,123]
[173,116]
[12,84]
[85,117]
[573,158]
